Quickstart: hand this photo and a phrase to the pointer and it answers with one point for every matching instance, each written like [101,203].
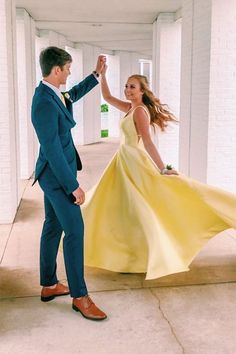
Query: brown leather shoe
[88,309]
[48,294]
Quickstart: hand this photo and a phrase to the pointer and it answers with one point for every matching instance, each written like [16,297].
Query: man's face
[64,73]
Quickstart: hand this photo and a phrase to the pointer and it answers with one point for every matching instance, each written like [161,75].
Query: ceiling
[109,24]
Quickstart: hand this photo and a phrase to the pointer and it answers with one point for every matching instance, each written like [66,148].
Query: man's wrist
[96,74]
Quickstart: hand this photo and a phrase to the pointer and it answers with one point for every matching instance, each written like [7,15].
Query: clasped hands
[101,62]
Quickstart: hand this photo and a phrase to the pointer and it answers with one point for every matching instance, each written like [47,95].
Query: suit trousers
[61,214]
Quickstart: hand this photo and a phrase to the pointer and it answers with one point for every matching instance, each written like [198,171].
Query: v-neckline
[127,113]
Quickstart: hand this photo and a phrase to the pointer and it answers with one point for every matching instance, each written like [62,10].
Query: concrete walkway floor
[192,312]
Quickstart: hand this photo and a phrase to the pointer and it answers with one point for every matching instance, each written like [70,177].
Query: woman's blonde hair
[159,113]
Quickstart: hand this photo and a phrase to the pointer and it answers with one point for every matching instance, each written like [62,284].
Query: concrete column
[8,114]
[26,85]
[208,86]
[166,79]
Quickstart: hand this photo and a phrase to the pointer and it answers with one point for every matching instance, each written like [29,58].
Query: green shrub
[104,133]
[104,107]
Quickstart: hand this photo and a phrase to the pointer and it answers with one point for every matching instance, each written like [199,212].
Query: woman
[143,216]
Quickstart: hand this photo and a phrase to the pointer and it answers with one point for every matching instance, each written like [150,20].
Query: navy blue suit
[56,171]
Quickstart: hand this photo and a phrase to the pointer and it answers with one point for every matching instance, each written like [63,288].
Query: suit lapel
[58,101]
[65,110]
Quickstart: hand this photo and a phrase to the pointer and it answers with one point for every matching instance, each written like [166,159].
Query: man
[56,170]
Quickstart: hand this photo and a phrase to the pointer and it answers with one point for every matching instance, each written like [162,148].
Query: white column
[75,77]
[195,76]
[26,85]
[129,65]
[208,86]
[90,121]
[52,38]
[166,79]
[113,78]
[8,113]
[41,42]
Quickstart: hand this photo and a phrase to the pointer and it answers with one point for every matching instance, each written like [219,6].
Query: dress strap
[144,108]
[147,112]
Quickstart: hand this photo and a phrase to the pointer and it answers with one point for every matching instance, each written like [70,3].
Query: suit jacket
[53,122]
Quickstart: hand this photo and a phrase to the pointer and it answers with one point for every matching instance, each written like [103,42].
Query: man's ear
[57,70]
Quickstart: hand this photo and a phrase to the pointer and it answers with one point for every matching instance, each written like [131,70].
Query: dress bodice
[129,135]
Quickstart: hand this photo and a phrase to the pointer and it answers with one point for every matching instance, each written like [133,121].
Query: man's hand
[79,196]
[100,63]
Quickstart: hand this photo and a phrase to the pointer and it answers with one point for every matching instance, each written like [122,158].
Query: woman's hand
[171,172]
[104,70]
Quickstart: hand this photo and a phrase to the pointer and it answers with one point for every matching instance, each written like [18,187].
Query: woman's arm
[142,124]
[121,105]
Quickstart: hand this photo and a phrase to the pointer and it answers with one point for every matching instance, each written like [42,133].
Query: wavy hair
[159,112]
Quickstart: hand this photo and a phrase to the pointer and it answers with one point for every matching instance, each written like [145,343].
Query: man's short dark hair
[53,56]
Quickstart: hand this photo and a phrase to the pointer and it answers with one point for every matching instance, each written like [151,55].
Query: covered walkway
[187,49]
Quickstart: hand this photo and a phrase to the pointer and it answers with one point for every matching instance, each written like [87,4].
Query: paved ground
[192,312]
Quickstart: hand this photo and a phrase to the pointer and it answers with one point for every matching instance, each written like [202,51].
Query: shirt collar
[54,88]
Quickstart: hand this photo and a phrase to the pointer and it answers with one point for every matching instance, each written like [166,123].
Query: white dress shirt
[54,88]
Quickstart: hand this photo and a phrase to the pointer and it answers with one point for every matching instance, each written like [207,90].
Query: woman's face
[133,90]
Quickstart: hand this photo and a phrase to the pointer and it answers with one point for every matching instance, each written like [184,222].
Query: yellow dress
[137,220]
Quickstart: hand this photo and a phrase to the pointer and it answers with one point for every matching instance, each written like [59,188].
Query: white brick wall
[196,26]
[8,123]
[207,130]
[26,85]
[222,105]
[166,83]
